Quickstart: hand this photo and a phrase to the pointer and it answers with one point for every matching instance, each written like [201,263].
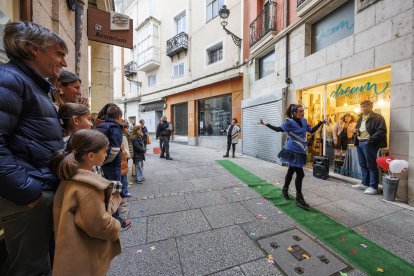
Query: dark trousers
[27,235]
[228,148]
[367,155]
[298,181]
[165,146]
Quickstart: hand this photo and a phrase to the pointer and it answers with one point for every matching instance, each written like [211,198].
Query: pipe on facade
[78,33]
[288,81]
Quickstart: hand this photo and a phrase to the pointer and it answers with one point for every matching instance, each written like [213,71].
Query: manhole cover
[296,254]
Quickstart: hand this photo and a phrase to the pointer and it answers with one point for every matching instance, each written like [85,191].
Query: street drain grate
[296,254]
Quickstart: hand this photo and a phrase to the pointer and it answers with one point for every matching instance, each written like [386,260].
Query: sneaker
[300,201]
[125,225]
[370,191]
[168,158]
[359,186]
[128,194]
[162,156]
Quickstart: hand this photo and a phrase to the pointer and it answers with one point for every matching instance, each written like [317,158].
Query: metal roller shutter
[258,140]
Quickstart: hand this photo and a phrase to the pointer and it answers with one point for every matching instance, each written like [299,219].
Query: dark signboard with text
[100,24]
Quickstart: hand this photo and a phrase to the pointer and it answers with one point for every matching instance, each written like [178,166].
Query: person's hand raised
[84,101]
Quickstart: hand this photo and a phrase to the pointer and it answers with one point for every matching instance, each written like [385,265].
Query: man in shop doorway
[371,135]
[164,131]
[30,133]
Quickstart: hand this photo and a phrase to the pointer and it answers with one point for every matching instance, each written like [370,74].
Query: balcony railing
[264,23]
[130,69]
[149,59]
[300,2]
[177,44]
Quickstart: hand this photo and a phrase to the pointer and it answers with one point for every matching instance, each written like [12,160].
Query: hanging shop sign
[99,28]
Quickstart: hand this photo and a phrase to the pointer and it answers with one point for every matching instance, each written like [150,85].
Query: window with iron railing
[264,23]
[215,53]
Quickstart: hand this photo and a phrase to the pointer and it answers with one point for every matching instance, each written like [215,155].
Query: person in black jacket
[29,135]
[164,131]
[371,135]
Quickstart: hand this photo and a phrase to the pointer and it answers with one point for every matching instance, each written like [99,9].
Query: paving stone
[165,226]
[314,199]
[356,272]
[234,271]
[140,190]
[240,194]
[216,250]
[227,214]
[162,260]
[271,225]
[135,235]
[261,207]
[260,267]
[141,208]
[216,182]
[203,199]
[176,186]
[348,212]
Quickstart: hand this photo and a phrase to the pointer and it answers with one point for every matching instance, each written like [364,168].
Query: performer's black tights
[298,181]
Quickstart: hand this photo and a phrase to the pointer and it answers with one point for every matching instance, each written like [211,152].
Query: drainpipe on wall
[78,33]
[288,81]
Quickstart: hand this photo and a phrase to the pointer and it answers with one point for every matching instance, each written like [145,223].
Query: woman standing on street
[232,139]
[294,153]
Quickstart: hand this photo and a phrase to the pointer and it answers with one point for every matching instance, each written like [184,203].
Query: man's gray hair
[18,34]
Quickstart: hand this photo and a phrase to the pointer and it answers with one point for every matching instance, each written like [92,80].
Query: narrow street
[192,217]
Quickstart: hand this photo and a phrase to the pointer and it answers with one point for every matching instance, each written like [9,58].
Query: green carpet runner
[362,253]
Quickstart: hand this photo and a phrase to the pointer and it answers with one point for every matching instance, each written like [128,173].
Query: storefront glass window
[214,115]
[339,102]
[181,119]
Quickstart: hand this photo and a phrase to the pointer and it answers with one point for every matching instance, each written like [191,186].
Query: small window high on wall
[266,65]
[212,8]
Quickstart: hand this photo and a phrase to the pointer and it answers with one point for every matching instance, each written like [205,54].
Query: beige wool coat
[86,234]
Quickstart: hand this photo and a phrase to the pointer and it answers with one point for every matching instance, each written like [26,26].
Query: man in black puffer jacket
[164,131]
[29,134]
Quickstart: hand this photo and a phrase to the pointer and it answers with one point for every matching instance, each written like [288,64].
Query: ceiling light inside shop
[381,103]
[357,110]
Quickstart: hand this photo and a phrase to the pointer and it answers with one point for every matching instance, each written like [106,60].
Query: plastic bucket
[389,187]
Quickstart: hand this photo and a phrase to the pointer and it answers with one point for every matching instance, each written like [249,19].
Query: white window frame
[178,30]
[173,69]
[212,45]
[150,84]
[209,2]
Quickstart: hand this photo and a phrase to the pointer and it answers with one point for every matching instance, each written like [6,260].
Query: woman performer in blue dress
[294,152]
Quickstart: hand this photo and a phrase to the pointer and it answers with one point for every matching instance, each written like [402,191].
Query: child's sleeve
[92,217]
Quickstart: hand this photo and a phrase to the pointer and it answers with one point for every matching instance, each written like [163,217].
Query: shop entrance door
[181,119]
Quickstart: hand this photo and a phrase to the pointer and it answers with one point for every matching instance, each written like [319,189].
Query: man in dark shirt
[164,131]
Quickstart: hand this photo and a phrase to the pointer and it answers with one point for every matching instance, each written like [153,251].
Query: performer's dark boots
[285,192]
[300,201]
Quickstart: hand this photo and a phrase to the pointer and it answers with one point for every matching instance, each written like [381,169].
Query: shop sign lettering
[367,87]
[331,30]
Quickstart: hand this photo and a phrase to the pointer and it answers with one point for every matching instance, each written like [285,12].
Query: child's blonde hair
[65,163]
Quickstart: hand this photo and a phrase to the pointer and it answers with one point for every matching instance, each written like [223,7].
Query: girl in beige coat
[86,234]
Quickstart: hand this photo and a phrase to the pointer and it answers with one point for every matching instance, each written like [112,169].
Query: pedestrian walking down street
[371,135]
[139,153]
[294,153]
[232,139]
[29,134]
[86,234]
[144,129]
[164,131]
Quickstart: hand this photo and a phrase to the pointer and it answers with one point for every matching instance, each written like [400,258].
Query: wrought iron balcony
[300,2]
[177,44]
[264,23]
[130,69]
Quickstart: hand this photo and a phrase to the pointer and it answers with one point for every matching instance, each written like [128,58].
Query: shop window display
[214,115]
[339,102]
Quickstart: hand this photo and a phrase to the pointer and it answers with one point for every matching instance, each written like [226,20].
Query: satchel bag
[148,140]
